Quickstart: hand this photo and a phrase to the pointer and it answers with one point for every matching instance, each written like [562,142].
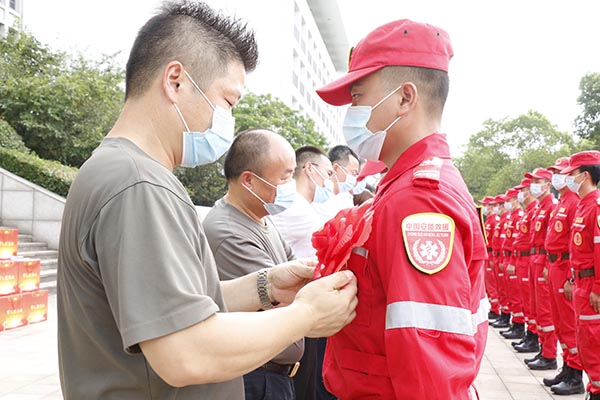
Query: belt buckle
[294,369]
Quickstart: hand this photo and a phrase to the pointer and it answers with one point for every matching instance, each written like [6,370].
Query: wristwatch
[263,295]
[571,280]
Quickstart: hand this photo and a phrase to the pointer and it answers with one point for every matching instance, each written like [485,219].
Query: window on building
[295,79]
[13,4]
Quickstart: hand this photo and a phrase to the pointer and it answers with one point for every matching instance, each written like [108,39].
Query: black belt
[584,273]
[520,253]
[283,369]
[558,256]
[506,253]
[495,253]
[538,250]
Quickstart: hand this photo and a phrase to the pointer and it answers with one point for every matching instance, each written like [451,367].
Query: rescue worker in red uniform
[559,275]
[584,174]
[541,180]
[421,326]
[520,259]
[498,262]
[491,285]
[513,286]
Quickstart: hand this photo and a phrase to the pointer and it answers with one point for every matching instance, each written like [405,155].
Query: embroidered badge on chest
[428,240]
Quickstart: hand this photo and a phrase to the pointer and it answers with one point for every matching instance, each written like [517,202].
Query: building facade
[11,12]
[302,46]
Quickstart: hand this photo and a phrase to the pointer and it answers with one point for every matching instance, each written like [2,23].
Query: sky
[510,56]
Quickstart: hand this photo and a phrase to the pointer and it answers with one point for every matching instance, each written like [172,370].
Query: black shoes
[542,364]
[515,332]
[534,358]
[564,372]
[529,346]
[502,322]
[592,396]
[493,316]
[571,384]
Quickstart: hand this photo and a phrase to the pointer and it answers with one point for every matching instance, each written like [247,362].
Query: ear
[246,178]
[408,98]
[171,79]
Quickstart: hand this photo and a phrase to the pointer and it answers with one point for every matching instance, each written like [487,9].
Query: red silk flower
[334,242]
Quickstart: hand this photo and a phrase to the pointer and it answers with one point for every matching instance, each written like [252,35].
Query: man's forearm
[241,294]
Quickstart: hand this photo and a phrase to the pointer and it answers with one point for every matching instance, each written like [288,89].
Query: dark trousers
[266,385]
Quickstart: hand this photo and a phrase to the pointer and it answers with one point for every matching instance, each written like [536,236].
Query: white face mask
[349,183]
[200,148]
[521,197]
[508,206]
[360,187]
[286,192]
[358,137]
[536,189]
[558,181]
[322,193]
[496,210]
[573,186]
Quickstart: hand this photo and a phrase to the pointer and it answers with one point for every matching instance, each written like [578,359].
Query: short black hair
[593,170]
[306,154]
[203,40]
[247,153]
[341,154]
[433,84]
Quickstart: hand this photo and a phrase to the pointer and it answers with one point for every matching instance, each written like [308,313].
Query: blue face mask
[348,184]
[322,193]
[284,198]
[358,137]
[200,148]
[360,187]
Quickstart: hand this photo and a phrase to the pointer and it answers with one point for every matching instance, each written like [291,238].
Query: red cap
[525,182]
[500,198]
[403,42]
[371,168]
[590,157]
[487,200]
[560,164]
[539,173]
[511,193]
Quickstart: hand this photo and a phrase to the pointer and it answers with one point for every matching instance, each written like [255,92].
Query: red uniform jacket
[540,220]
[421,320]
[490,223]
[522,240]
[510,231]
[559,225]
[584,248]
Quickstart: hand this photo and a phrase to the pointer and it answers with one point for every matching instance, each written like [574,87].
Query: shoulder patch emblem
[558,226]
[577,240]
[538,226]
[579,220]
[428,240]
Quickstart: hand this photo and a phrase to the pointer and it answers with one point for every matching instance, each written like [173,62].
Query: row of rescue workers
[542,277]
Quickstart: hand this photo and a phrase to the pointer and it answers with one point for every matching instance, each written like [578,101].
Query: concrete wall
[30,208]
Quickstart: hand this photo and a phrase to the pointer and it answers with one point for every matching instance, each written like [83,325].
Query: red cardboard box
[9,277]
[29,274]
[9,239]
[36,306]
[12,312]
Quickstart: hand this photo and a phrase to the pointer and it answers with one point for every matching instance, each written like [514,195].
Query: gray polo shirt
[134,265]
[241,246]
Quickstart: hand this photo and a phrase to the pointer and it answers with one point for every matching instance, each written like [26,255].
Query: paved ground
[28,367]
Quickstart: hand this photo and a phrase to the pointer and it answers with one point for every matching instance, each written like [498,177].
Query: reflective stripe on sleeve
[518,314]
[596,239]
[573,350]
[410,314]
[589,317]
[595,383]
[548,328]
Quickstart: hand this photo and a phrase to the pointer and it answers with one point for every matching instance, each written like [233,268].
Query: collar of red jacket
[430,146]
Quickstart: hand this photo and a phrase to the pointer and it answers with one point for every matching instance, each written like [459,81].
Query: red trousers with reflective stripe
[501,281]
[491,285]
[563,312]
[588,332]
[543,310]
[514,296]
[528,292]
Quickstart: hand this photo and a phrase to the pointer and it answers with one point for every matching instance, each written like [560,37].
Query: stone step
[24,238]
[48,275]
[50,286]
[49,263]
[41,254]
[31,246]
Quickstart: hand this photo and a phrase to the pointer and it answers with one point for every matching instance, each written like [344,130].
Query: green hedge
[50,175]
[10,139]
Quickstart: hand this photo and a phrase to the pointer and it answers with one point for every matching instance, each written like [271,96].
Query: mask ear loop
[187,128]
[387,97]
[200,90]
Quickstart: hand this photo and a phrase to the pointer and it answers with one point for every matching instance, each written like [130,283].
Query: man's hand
[330,302]
[595,301]
[568,287]
[500,266]
[511,269]
[545,273]
[284,280]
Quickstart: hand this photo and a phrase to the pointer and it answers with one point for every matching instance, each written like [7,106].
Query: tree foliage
[587,124]
[206,184]
[497,157]
[62,106]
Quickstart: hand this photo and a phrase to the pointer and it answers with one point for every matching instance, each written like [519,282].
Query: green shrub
[10,139]
[50,175]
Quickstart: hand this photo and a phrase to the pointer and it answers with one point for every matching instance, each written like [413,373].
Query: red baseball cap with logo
[525,182]
[539,173]
[371,168]
[487,200]
[590,157]
[399,43]
[560,164]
